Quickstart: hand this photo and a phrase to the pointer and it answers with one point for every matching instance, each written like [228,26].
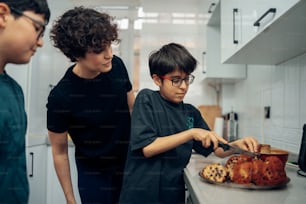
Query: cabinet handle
[271,10]
[203,59]
[235,10]
[32,164]
[210,7]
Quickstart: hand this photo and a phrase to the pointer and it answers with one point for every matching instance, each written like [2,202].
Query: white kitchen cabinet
[245,20]
[36,170]
[55,193]
[214,69]
[230,28]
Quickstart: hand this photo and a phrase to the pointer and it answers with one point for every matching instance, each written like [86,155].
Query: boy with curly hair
[92,102]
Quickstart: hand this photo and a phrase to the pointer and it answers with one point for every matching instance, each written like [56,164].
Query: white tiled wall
[282,88]
[153,36]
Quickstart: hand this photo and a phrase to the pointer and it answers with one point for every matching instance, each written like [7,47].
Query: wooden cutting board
[209,113]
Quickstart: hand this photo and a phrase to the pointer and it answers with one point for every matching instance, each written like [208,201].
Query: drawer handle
[235,10]
[203,59]
[210,7]
[32,164]
[271,10]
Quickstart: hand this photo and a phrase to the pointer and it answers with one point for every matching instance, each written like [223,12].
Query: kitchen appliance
[231,126]
[302,154]
[219,126]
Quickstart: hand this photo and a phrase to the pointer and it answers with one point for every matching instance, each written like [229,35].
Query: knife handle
[225,147]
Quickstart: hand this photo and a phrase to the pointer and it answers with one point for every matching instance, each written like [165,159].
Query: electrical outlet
[267,110]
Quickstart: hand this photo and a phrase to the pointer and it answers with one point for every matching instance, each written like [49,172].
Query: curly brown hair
[81,30]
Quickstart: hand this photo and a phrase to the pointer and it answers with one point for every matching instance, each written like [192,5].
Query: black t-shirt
[159,179]
[95,112]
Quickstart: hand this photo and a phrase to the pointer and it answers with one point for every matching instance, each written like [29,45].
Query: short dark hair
[80,30]
[37,6]
[171,57]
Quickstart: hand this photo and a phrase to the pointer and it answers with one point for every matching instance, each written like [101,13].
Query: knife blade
[237,150]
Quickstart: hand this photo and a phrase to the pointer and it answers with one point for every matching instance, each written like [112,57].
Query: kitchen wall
[46,68]
[192,36]
[281,88]
[278,86]
[49,65]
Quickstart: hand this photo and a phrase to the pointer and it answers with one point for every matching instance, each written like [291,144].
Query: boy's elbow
[147,153]
[220,153]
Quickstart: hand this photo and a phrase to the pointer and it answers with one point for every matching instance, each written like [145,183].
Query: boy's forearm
[166,143]
[62,168]
[59,144]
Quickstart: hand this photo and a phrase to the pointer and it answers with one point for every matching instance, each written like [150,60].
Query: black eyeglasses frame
[177,82]
[42,25]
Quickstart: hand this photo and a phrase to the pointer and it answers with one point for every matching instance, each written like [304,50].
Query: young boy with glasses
[165,130]
[22,23]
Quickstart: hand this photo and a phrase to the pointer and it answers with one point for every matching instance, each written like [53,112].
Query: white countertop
[202,192]
[41,139]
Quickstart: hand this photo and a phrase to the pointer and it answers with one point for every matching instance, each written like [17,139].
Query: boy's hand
[247,143]
[207,137]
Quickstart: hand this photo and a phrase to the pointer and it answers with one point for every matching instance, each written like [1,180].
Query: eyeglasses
[177,82]
[39,26]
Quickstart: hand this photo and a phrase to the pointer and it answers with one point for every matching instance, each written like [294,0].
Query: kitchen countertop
[42,139]
[38,139]
[202,192]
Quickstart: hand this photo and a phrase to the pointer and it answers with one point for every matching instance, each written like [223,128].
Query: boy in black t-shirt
[165,130]
[92,102]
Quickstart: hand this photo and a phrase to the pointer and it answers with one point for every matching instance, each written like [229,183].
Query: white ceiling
[181,21]
[152,5]
[92,3]
[126,8]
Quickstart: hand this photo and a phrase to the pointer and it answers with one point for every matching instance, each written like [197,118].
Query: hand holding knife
[237,150]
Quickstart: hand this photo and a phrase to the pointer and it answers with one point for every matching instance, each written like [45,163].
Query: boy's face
[95,63]
[19,35]
[171,85]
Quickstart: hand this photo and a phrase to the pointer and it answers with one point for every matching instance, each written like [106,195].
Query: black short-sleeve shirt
[159,179]
[95,112]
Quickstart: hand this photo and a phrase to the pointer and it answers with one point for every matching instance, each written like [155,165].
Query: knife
[237,150]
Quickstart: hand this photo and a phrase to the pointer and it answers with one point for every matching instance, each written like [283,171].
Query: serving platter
[250,186]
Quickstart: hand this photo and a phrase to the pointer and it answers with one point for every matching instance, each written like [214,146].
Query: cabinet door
[214,69]
[259,14]
[231,27]
[237,18]
[55,192]
[243,20]
[36,169]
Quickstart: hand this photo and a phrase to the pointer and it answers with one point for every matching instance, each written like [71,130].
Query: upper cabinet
[213,68]
[262,31]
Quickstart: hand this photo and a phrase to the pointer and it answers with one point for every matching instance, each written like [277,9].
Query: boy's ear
[4,11]
[156,80]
